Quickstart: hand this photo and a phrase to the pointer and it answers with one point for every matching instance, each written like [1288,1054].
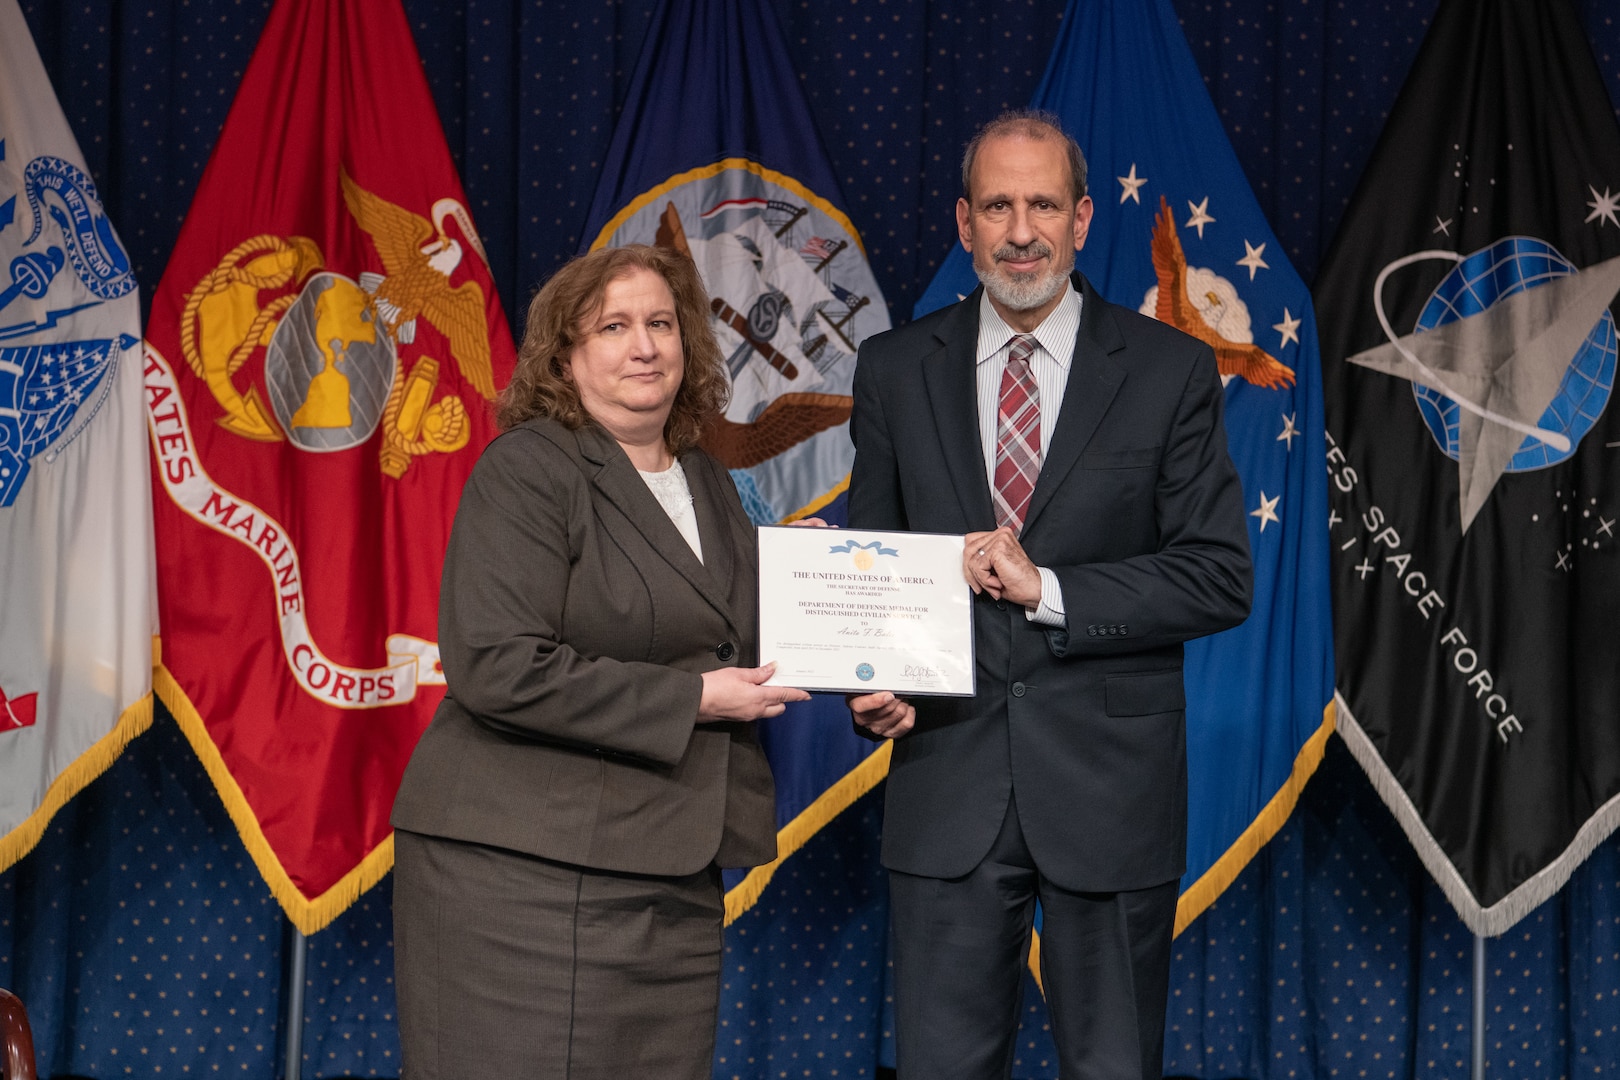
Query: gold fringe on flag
[1203,892]
[306,914]
[74,779]
[1214,881]
[796,833]
[818,503]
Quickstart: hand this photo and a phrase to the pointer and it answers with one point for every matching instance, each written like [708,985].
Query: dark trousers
[512,966]
[960,949]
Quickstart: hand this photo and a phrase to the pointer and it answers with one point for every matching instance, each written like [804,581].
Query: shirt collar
[1055,334]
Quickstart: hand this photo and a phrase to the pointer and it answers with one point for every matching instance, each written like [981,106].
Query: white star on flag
[1603,206]
[1253,260]
[1200,216]
[1288,328]
[1130,184]
[1289,433]
[1267,511]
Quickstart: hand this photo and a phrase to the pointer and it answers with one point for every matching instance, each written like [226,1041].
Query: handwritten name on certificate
[841,609]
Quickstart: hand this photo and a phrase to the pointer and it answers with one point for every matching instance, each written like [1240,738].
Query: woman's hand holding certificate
[865,611]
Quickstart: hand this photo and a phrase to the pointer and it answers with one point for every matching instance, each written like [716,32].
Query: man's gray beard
[1022,292]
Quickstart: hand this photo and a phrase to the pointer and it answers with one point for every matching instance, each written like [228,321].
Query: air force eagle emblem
[1200,302]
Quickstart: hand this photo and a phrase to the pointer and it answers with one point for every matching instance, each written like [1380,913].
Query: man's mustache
[1033,250]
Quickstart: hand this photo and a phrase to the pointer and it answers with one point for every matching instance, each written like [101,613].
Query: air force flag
[1178,234]
[76,610]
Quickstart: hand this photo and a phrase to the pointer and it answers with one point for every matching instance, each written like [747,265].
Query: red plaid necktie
[1018,436]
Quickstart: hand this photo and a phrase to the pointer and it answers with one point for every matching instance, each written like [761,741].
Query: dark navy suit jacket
[1139,512]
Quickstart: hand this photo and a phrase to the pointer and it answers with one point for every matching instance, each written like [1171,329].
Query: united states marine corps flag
[1468,336]
[75,498]
[320,361]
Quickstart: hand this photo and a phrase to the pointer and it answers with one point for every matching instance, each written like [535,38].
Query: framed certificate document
[842,609]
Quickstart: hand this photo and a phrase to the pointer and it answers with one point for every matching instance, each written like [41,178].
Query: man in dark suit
[1079,446]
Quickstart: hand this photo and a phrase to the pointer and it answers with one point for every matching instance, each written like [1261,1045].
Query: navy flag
[1469,338]
[716,155]
[1178,234]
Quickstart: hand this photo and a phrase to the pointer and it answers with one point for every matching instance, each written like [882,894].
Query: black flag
[1468,349]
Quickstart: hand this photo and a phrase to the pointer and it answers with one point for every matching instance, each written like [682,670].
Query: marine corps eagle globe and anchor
[335,368]
[331,375]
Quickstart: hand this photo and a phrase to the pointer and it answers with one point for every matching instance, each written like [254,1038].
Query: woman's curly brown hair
[562,309]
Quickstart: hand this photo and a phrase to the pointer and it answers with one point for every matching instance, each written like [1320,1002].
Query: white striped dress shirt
[1049,364]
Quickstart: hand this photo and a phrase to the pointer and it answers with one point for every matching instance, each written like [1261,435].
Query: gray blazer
[574,623]
[1139,512]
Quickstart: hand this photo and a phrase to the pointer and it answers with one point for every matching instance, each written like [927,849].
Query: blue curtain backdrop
[145,941]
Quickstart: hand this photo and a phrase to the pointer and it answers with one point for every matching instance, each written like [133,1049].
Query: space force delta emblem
[341,358]
[1511,364]
[1512,359]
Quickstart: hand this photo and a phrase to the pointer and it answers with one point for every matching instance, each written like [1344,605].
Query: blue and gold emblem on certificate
[863,555]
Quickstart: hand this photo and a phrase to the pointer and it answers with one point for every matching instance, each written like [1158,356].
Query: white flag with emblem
[77,611]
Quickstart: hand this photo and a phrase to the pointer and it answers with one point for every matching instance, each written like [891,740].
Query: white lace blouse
[673,494]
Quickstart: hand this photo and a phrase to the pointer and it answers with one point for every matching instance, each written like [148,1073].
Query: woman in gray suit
[560,828]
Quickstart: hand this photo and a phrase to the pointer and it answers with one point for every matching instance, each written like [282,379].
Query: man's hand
[994,562]
[883,714]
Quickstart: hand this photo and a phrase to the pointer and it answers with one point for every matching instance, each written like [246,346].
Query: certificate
[841,609]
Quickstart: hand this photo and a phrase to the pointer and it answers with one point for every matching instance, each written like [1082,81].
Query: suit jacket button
[1018,689]
[1122,631]
[1001,605]
[725,650]
[1092,630]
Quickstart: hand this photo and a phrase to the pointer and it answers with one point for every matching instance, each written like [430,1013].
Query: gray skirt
[511,966]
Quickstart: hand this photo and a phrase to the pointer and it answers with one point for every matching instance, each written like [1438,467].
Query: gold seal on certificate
[842,609]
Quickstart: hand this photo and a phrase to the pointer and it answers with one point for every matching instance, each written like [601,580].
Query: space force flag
[716,155]
[1178,234]
[320,361]
[1468,333]
[76,609]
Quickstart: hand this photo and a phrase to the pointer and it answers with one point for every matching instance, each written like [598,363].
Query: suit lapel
[953,394]
[714,527]
[1095,376]
[619,482]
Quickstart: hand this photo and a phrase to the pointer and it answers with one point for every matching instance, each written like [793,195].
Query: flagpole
[293,995]
[1479,1007]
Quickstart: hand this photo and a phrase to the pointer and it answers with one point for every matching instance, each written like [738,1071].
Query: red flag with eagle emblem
[320,361]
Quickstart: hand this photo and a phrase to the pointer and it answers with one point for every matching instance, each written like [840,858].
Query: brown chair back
[16,1039]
